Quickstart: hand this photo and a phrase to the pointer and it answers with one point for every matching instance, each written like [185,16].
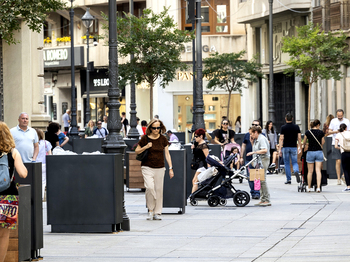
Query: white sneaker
[318,190]
[157,217]
[150,215]
[308,189]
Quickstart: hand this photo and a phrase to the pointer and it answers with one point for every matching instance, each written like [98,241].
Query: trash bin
[84,193]
[174,193]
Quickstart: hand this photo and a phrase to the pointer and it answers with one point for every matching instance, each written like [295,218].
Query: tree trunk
[151,100]
[228,105]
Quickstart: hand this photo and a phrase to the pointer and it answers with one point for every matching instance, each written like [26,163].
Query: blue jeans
[254,193]
[290,153]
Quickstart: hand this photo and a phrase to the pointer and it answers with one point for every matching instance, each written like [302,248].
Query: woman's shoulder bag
[143,156]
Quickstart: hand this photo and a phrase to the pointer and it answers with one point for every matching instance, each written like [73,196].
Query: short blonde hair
[162,127]
[6,139]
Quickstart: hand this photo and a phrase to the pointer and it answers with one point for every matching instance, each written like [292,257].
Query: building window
[65,28]
[215,17]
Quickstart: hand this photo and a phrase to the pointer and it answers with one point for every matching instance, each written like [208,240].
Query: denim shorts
[314,156]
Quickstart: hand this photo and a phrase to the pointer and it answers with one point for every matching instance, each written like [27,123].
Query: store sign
[101,82]
[205,48]
[61,57]
[185,76]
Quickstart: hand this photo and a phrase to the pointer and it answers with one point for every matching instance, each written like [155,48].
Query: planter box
[85,193]
[134,178]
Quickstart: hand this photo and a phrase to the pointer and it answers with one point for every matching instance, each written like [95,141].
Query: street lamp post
[88,20]
[114,142]
[271,87]
[192,16]
[133,133]
[199,85]
[74,133]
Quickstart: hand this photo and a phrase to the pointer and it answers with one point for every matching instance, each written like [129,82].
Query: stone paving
[297,227]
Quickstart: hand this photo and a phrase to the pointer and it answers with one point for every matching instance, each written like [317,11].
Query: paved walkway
[297,227]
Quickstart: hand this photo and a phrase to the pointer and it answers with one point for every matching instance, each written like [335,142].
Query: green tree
[228,71]
[315,55]
[157,44]
[33,12]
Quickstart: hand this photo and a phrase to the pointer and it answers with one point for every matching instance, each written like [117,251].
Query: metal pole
[114,142]
[199,87]
[87,111]
[194,79]
[133,133]
[74,133]
[271,87]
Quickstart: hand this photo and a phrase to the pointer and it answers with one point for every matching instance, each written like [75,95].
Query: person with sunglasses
[153,168]
[224,135]
[247,148]
[100,131]
[200,153]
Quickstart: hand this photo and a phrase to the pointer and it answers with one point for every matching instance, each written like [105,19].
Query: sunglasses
[196,136]
[99,123]
[255,125]
[225,124]
[155,128]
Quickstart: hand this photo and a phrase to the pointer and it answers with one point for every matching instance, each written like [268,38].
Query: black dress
[198,154]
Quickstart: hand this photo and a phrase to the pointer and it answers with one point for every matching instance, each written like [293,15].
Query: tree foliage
[156,43]
[315,55]
[33,12]
[229,71]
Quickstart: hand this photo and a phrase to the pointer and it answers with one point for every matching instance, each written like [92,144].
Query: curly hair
[6,138]
[162,127]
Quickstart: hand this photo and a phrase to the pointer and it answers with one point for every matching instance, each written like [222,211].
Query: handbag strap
[316,139]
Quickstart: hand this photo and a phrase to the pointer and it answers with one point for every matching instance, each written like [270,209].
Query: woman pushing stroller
[261,147]
[200,152]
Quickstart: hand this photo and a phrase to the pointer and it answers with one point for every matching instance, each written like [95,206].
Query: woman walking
[9,154]
[342,140]
[261,147]
[200,153]
[314,155]
[271,135]
[153,168]
[44,149]
[238,125]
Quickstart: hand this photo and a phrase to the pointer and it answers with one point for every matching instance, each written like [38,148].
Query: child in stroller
[217,189]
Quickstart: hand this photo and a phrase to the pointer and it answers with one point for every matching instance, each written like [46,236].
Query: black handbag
[143,156]
[194,165]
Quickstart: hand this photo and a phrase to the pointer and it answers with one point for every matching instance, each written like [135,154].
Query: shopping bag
[8,211]
[257,174]
[257,184]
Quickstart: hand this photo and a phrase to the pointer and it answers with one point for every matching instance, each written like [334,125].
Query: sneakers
[319,190]
[339,182]
[343,179]
[346,190]
[288,182]
[150,215]
[263,204]
[157,217]
[308,189]
[255,197]
[258,204]
[297,177]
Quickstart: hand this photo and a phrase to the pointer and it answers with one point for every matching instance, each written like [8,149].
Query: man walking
[333,130]
[247,148]
[100,131]
[290,135]
[66,121]
[26,139]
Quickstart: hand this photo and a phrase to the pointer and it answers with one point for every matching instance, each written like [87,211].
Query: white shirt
[335,124]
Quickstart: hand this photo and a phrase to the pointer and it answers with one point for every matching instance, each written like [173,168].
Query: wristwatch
[170,167]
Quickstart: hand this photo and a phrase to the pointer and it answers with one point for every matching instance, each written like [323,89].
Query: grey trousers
[264,190]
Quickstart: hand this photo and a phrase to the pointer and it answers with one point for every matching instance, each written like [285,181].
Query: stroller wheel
[241,180]
[194,202]
[213,201]
[223,202]
[241,198]
[300,189]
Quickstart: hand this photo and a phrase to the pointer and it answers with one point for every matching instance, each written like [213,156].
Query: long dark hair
[238,119]
[267,127]
[342,128]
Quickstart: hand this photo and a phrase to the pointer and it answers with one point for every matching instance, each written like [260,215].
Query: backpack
[346,144]
[5,179]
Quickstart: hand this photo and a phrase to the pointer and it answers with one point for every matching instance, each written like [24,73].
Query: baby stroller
[217,189]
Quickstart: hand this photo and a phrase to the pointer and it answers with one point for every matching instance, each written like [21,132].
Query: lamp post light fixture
[88,20]
[74,133]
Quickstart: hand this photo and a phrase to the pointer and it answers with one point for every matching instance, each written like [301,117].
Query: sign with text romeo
[60,57]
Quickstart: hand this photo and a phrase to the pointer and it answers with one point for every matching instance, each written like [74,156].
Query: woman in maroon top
[153,167]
